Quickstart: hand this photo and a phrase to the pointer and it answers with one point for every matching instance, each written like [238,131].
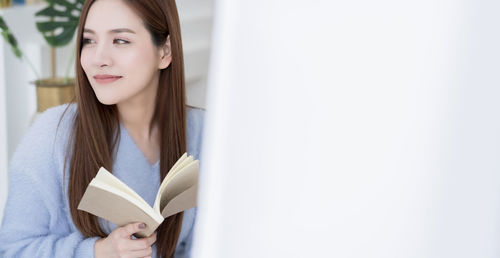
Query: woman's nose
[102,56]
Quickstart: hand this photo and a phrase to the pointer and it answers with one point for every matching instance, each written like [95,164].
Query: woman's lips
[106,78]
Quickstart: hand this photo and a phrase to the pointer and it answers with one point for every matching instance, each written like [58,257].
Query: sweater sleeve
[25,227]
[35,221]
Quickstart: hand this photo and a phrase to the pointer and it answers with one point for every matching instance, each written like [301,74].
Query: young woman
[130,117]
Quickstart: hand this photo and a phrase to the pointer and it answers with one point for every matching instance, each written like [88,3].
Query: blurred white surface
[3,141]
[352,129]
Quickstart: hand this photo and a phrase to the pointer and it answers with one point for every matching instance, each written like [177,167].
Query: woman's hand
[119,243]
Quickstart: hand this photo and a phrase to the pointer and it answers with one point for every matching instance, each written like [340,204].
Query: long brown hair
[96,129]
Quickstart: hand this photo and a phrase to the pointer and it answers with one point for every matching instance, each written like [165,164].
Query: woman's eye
[120,41]
[86,41]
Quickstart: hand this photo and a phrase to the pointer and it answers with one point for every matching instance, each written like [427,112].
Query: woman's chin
[107,101]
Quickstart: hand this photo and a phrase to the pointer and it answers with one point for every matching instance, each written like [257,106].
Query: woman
[129,116]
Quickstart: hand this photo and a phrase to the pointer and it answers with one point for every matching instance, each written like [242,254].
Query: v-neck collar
[125,134]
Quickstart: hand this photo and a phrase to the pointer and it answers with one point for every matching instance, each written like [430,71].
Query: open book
[111,199]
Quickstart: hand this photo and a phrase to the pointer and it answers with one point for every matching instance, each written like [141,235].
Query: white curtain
[352,129]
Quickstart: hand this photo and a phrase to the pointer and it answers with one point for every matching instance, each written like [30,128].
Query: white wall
[3,136]
[15,87]
[18,96]
[196,26]
[352,129]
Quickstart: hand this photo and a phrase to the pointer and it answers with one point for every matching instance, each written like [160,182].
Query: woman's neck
[136,116]
[137,112]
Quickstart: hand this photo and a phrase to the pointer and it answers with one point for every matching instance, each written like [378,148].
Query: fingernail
[142,226]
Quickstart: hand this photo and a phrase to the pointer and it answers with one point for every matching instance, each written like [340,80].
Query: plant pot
[53,92]
[5,3]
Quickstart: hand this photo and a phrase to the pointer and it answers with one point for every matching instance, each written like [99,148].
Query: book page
[183,160]
[105,177]
[183,201]
[178,167]
[179,161]
[184,179]
[114,191]
[119,209]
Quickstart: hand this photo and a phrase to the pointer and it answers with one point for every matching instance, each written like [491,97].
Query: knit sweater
[37,220]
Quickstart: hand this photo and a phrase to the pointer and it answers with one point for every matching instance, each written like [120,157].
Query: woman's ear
[165,54]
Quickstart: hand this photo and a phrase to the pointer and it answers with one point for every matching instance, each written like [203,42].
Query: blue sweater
[37,221]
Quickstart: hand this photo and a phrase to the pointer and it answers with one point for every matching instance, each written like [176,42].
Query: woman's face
[118,55]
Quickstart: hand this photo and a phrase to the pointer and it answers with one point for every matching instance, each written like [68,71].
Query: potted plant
[57,23]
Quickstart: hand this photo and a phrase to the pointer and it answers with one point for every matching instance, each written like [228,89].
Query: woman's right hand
[119,243]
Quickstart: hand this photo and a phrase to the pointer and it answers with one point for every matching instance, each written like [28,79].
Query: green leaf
[50,26]
[11,40]
[17,52]
[51,12]
[3,25]
[65,3]
[63,38]
[54,19]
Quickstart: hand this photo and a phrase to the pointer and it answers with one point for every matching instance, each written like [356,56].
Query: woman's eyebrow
[113,31]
